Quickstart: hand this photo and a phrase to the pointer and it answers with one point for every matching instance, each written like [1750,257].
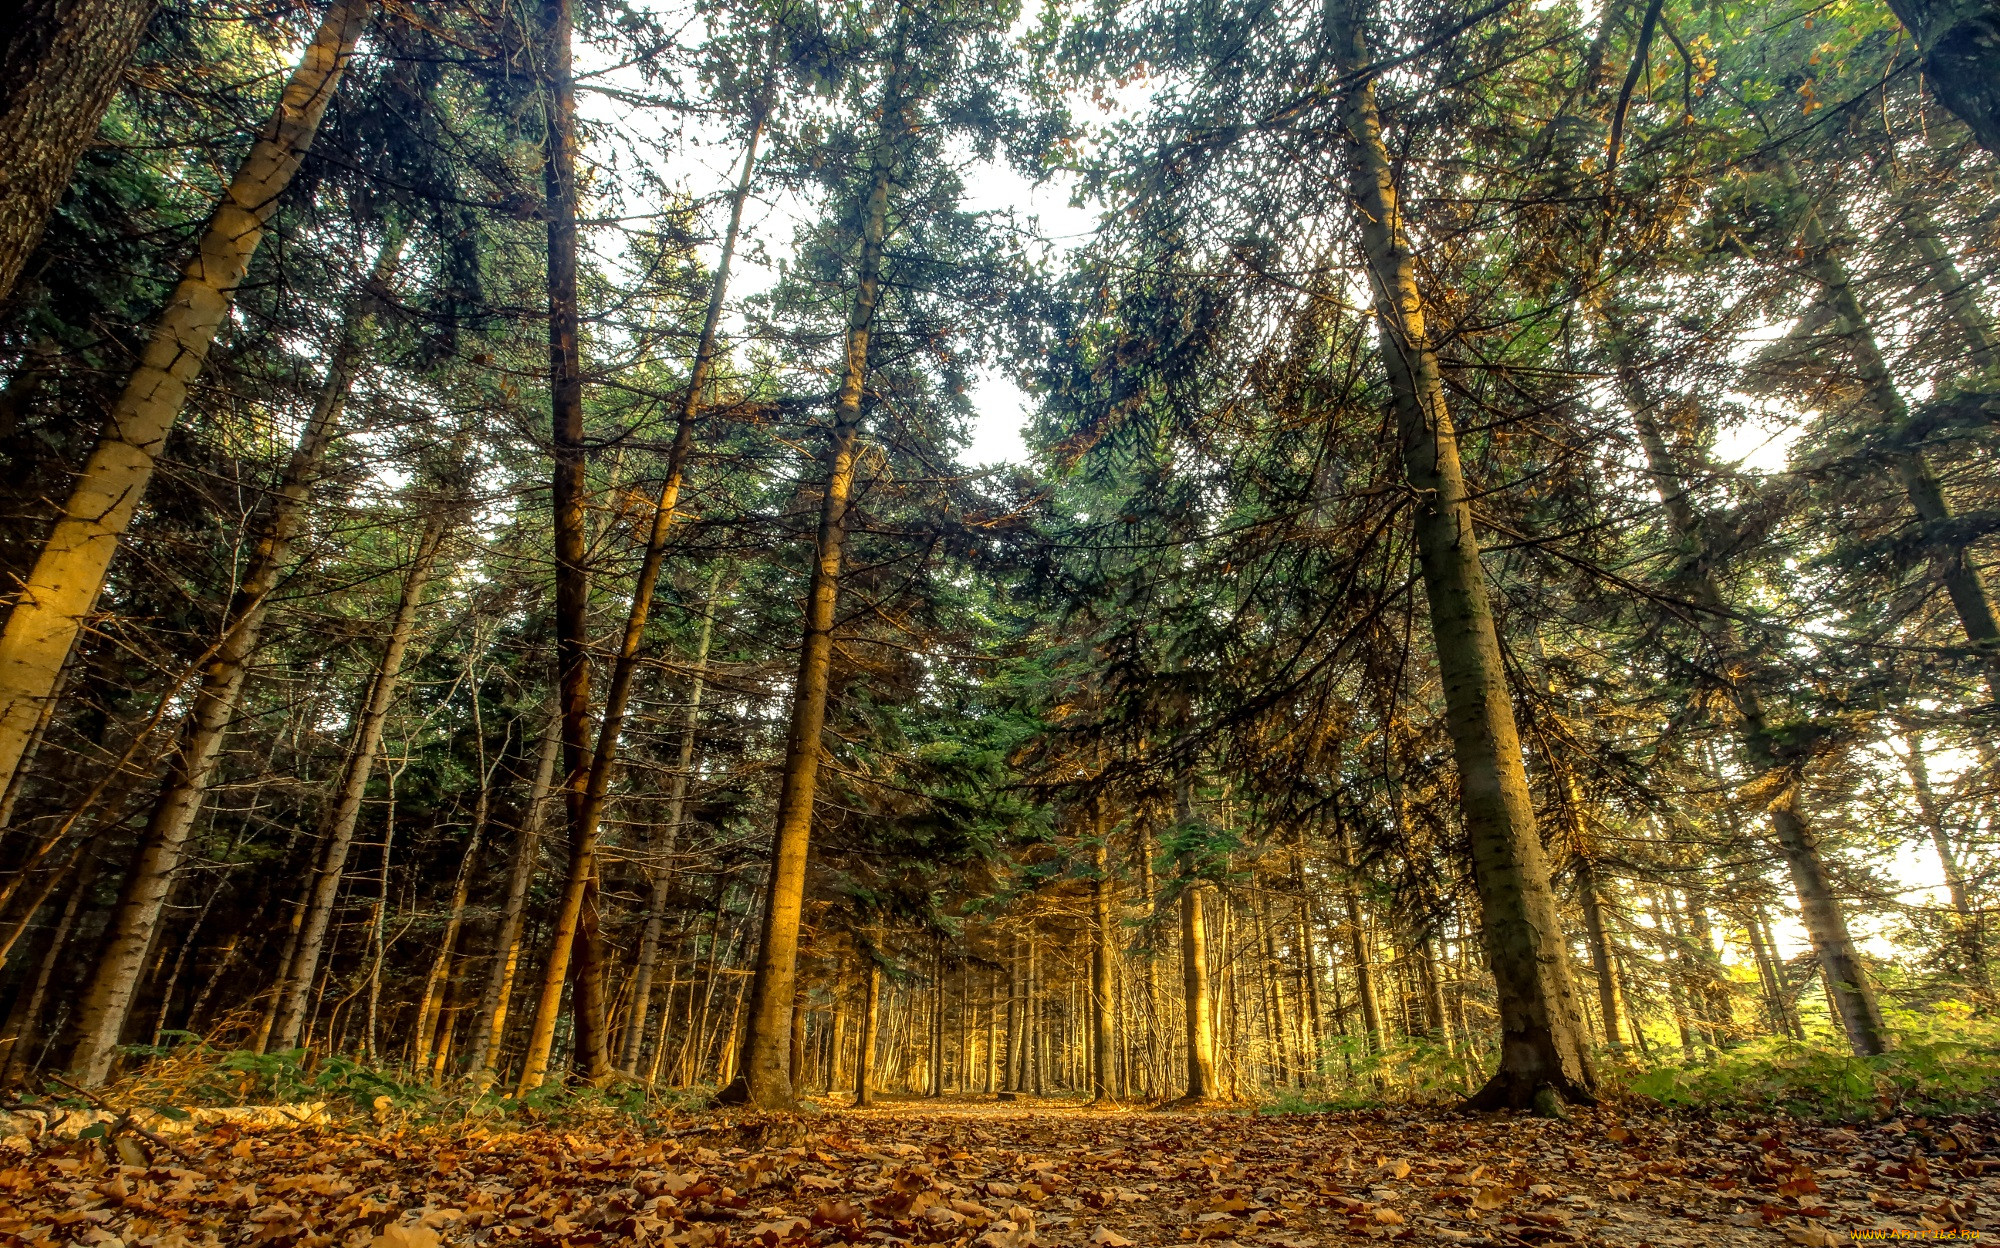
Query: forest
[510,596]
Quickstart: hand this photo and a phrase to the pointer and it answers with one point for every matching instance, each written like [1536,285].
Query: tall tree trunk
[489,1026]
[1826,925]
[1950,554]
[354,783]
[575,938]
[1357,938]
[1103,950]
[25,1025]
[437,981]
[69,572]
[765,1044]
[1959,297]
[663,875]
[1543,1051]
[871,1024]
[1597,934]
[1195,990]
[584,829]
[1971,942]
[108,1000]
[61,62]
[1302,914]
[1156,1062]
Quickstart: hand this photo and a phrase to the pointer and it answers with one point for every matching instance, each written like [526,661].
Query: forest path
[1104,1176]
[974,1172]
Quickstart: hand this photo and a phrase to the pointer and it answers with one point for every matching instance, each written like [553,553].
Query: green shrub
[1945,1062]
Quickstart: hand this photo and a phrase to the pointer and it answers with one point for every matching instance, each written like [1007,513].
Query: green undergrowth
[1944,1061]
[186,1074]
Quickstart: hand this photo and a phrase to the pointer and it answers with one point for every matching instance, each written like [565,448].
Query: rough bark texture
[69,573]
[1960,44]
[108,1000]
[354,785]
[575,949]
[764,1079]
[1542,1047]
[1201,1084]
[60,65]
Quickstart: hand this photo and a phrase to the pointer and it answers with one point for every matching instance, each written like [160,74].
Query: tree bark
[1597,933]
[61,61]
[1201,1083]
[108,1000]
[1104,1075]
[354,784]
[489,1027]
[575,937]
[663,875]
[1960,44]
[764,1081]
[437,981]
[1950,556]
[1826,925]
[1543,1051]
[68,575]
[1357,938]
[1971,940]
[871,1022]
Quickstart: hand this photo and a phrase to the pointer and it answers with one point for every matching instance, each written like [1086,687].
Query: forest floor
[985,1174]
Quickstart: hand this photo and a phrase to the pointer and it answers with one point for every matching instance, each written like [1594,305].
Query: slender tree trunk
[1156,1063]
[663,874]
[108,1000]
[871,1023]
[575,938]
[1971,940]
[1195,990]
[1103,1084]
[62,589]
[1357,938]
[584,830]
[489,1026]
[61,61]
[1543,1052]
[1959,297]
[1302,914]
[765,1044]
[1826,925]
[1597,933]
[437,982]
[354,784]
[27,1018]
[1951,555]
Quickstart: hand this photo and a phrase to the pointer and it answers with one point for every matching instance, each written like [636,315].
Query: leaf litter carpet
[982,1175]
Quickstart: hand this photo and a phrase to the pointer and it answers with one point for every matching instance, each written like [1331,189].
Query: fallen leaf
[1109,1238]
